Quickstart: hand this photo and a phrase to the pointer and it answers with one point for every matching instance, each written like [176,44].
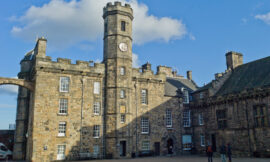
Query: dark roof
[247,76]
[205,87]
[173,85]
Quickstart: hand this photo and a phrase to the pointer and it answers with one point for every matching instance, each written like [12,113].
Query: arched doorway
[170,146]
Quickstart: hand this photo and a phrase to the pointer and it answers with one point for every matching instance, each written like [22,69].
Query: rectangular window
[145,125]
[187,142]
[168,118]
[186,96]
[123,25]
[144,96]
[201,95]
[186,118]
[202,140]
[200,119]
[122,70]
[96,131]
[96,108]
[105,28]
[63,106]
[221,119]
[95,151]
[61,152]
[64,84]
[96,87]
[145,145]
[62,129]
[123,118]
[122,94]
[260,116]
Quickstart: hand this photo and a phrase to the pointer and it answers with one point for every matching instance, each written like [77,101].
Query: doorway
[157,148]
[122,148]
[170,146]
[213,139]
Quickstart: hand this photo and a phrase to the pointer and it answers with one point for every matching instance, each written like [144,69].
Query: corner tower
[118,63]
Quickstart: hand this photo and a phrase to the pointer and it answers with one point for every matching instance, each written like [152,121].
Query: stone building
[234,108]
[101,110]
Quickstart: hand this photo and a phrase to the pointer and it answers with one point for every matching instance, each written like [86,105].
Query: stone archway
[19,82]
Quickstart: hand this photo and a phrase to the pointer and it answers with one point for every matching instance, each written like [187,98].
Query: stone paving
[182,159]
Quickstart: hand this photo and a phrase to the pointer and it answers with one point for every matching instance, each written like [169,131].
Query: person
[209,152]
[229,152]
[222,152]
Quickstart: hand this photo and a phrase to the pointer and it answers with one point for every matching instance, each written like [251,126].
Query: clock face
[123,47]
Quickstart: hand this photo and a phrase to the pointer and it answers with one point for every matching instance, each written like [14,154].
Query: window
[96,87]
[260,116]
[201,95]
[186,118]
[105,27]
[186,96]
[61,152]
[202,140]
[95,151]
[62,129]
[123,118]
[96,131]
[122,71]
[123,25]
[96,108]
[200,119]
[168,118]
[144,96]
[122,93]
[221,119]
[63,106]
[3,148]
[187,142]
[145,145]
[145,125]
[64,84]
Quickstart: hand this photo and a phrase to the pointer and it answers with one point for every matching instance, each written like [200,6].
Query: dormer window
[123,26]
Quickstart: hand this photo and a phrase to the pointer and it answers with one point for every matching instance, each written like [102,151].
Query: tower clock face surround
[123,47]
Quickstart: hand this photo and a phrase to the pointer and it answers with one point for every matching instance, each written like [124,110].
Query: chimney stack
[189,75]
[233,60]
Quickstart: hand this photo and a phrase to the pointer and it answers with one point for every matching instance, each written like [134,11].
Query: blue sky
[183,34]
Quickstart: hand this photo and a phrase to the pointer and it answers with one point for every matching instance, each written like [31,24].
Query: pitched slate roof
[251,75]
[173,85]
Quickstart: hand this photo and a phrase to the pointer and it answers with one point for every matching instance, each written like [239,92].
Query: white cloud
[67,23]
[9,89]
[135,60]
[264,17]
[192,37]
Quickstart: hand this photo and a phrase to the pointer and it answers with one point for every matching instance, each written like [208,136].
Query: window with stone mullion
[168,118]
[144,125]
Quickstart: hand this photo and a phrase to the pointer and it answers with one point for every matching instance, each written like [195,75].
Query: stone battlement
[64,64]
[147,75]
[118,8]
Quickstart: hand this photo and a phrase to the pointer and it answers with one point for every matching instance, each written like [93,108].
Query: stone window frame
[63,106]
[200,119]
[61,150]
[168,117]
[123,25]
[144,96]
[64,84]
[186,118]
[145,145]
[185,96]
[144,125]
[202,140]
[122,71]
[96,108]
[62,127]
[260,116]
[122,118]
[122,93]
[96,131]
[221,115]
[96,89]
[95,151]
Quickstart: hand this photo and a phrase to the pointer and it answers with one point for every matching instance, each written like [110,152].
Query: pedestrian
[222,152]
[209,153]
[229,152]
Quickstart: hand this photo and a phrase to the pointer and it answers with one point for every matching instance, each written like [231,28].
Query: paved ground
[182,159]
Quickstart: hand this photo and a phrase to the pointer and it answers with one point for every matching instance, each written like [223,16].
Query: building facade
[100,110]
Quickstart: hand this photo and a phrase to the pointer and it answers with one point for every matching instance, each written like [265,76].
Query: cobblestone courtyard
[183,159]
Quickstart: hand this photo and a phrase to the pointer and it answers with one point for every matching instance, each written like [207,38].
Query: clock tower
[118,84]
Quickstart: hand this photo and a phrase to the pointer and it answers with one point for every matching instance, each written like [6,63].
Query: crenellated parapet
[65,65]
[220,79]
[118,8]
